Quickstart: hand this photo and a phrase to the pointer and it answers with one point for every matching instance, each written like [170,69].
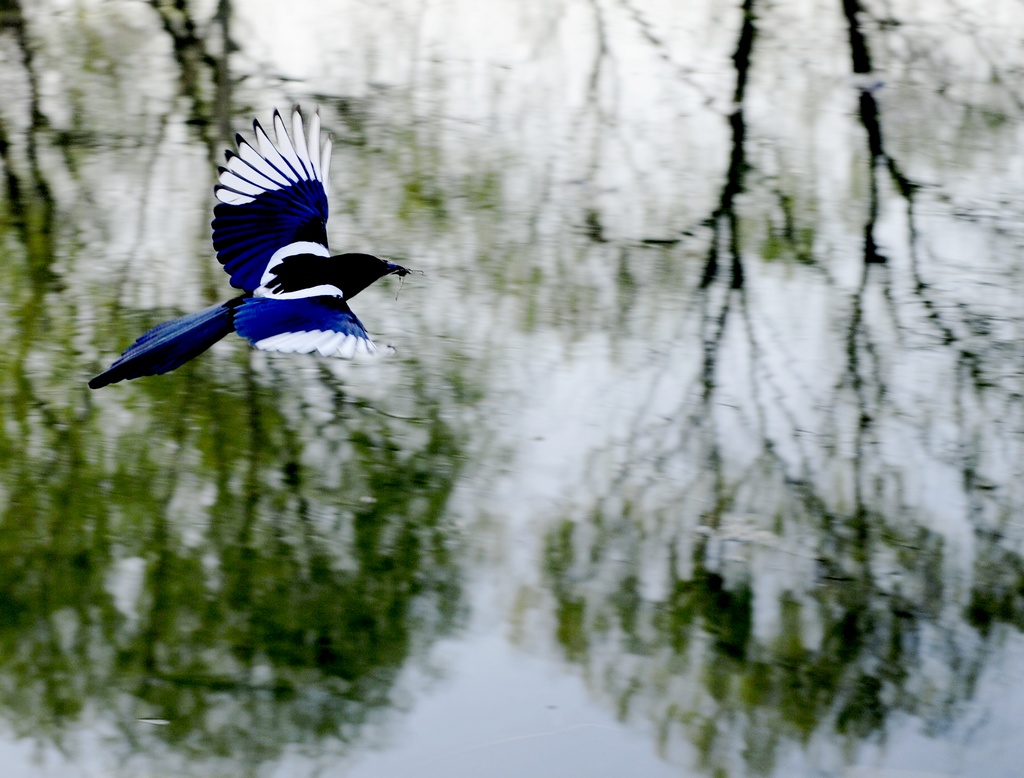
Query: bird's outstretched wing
[324,324]
[273,201]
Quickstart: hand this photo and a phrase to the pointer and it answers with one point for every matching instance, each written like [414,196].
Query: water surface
[700,452]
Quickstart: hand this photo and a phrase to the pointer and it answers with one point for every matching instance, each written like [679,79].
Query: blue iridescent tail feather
[171,344]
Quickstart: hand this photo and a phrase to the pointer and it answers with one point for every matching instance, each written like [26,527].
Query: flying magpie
[270,234]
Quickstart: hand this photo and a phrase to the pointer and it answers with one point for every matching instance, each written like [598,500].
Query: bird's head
[358,271]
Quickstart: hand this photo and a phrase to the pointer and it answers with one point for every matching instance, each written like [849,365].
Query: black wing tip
[257,127]
[226,188]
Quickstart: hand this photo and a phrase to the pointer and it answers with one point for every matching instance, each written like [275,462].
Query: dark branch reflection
[248,624]
[229,561]
[719,322]
[657,587]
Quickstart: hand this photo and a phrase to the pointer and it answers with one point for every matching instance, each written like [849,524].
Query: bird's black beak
[397,270]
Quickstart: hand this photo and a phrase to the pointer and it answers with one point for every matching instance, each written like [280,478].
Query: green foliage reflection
[187,549]
[248,624]
[690,659]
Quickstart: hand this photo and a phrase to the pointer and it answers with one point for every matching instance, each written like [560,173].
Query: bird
[270,235]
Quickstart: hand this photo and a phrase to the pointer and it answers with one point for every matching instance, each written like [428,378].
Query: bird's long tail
[171,344]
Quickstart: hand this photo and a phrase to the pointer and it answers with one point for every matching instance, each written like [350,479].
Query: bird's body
[270,234]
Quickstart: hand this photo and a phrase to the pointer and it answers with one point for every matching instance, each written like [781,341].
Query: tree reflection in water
[205,570]
[721,331]
[251,561]
[759,573]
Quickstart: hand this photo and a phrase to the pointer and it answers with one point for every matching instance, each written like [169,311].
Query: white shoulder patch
[291,250]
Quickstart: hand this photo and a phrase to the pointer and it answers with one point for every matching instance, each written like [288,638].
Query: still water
[700,453]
